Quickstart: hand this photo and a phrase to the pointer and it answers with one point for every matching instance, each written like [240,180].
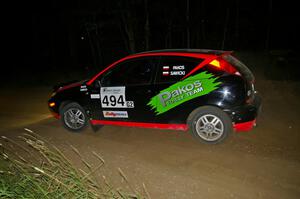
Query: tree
[128,22]
[269,25]
[225,27]
[188,40]
[147,27]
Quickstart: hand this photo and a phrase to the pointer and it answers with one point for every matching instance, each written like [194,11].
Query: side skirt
[182,127]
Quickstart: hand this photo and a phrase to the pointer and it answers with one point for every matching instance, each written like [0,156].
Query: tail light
[221,64]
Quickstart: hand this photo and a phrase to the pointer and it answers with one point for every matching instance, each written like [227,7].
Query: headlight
[51,104]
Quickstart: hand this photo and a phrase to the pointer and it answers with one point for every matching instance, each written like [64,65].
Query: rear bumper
[244,126]
[244,117]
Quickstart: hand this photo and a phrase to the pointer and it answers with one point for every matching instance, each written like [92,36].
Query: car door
[171,70]
[125,90]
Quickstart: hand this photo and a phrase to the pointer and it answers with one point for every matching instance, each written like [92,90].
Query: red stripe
[208,59]
[205,62]
[182,127]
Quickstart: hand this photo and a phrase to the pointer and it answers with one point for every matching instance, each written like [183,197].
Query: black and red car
[209,92]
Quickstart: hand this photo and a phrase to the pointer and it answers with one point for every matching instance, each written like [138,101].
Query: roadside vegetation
[34,168]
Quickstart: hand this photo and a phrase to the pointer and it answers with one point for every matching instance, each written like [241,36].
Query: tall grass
[34,168]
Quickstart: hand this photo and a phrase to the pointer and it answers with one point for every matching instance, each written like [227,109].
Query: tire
[209,124]
[73,117]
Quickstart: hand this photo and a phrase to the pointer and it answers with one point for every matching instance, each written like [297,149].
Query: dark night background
[47,42]
[50,41]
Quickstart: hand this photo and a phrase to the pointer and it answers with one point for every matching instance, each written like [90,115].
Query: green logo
[182,91]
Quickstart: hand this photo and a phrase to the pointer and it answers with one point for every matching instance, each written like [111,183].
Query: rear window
[242,68]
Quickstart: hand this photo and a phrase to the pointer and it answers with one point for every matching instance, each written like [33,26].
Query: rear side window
[172,68]
[131,72]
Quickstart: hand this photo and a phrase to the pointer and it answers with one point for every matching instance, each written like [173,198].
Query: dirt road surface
[263,163]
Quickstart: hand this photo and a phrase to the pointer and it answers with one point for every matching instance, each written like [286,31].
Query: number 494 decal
[113,101]
[114,97]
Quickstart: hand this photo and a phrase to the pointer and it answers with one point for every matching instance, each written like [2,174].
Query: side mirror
[97,84]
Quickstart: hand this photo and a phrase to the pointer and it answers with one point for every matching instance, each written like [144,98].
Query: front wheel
[209,124]
[73,117]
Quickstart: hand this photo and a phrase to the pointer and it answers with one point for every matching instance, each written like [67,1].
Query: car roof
[201,51]
[197,53]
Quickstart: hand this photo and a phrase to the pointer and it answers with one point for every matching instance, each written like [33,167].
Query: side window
[131,72]
[172,68]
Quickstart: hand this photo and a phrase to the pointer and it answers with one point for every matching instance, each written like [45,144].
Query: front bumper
[244,117]
[53,108]
[56,115]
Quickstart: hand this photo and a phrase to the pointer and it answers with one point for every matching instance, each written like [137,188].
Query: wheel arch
[194,111]
[64,103]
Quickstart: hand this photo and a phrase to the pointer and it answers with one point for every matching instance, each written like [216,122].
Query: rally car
[209,92]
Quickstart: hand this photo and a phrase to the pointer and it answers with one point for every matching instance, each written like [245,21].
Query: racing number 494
[113,101]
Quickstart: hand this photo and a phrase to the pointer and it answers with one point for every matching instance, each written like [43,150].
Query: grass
[41,170]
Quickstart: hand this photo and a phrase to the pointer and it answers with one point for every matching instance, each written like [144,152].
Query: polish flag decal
[166,67]
[165,73]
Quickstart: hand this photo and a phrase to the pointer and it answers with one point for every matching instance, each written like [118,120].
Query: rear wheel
[209,124]
[73,117]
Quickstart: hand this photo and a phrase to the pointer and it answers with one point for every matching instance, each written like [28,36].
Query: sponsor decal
[95,96]
[182,91]
[114,97]
[115,114]
[83,88]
